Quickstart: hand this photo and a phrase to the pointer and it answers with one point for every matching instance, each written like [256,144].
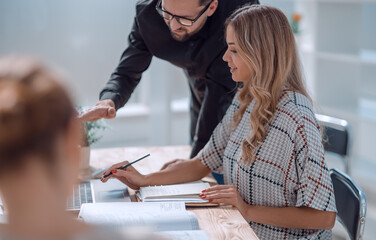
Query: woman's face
[238,67]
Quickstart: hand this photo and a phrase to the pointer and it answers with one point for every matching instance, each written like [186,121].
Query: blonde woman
[39,158]
[268,145]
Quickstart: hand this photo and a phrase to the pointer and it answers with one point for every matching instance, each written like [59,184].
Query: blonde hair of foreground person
[39,158]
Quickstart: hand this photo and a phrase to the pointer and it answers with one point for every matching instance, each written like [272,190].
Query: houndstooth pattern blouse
[289,170]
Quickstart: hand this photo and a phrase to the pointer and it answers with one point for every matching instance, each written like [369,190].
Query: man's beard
[180,38]
[184,37]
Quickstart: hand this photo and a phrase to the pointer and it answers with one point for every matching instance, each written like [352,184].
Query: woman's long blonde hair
[266,43]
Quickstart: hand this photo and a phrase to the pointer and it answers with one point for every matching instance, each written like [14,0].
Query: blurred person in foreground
[269,144]
[39,155]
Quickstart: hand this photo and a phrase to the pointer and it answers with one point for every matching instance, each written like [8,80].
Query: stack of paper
[2,216]
[1,207]
[186,192]
[167,219]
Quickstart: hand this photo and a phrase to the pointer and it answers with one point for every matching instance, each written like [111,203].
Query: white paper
[184,235]
[3,218]
[161,216]
[1,207]
[188,192]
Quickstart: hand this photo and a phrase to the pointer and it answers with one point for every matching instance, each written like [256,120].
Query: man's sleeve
[134,61]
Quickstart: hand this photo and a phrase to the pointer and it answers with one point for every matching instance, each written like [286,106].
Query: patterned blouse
[289,170]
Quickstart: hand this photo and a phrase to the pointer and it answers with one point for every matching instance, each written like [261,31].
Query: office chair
[351,203]
[337,137]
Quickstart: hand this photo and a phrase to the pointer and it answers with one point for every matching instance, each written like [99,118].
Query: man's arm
[134,61]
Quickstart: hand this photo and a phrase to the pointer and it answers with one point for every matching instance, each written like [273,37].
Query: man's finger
[111,112]
[97,112]
[93,114]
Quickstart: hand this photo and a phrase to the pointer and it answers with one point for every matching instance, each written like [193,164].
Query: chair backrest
[336,137]
[351,203]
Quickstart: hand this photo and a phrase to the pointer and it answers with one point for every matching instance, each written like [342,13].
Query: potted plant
[90,136]
[91,132]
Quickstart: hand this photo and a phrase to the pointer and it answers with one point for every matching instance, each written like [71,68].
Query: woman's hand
[179,172]
[172,163]
[285,217]
[225,194]
[129,175]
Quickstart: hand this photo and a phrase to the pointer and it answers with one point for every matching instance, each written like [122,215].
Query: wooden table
[223,222]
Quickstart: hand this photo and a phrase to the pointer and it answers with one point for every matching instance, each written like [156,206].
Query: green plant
[90,130]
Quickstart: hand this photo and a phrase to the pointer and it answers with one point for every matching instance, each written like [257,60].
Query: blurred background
[85,38]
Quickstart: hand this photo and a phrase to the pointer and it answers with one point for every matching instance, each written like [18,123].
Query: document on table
[186,192]
[1,207]
[170,216]
[184,235]
[2,216]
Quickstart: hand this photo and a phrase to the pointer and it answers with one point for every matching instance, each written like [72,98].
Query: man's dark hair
[204,2]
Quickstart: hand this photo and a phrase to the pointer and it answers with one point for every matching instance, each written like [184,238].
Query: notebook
[1,207]
[95,191]
[166,218]
[2,217]
[185,192]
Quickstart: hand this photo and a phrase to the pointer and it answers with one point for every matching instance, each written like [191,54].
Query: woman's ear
[213,6]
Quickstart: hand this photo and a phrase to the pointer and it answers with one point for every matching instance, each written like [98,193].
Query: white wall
[85,38]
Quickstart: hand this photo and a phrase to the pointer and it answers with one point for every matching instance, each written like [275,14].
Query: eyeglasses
[182,20]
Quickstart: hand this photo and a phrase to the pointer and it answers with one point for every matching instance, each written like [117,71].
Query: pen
[126,165]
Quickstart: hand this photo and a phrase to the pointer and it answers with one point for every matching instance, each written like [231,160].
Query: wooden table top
[223,222]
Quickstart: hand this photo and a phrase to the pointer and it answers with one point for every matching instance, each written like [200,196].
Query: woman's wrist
[148,180]
[245,210]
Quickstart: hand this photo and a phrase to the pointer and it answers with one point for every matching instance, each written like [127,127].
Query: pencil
[126,165]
